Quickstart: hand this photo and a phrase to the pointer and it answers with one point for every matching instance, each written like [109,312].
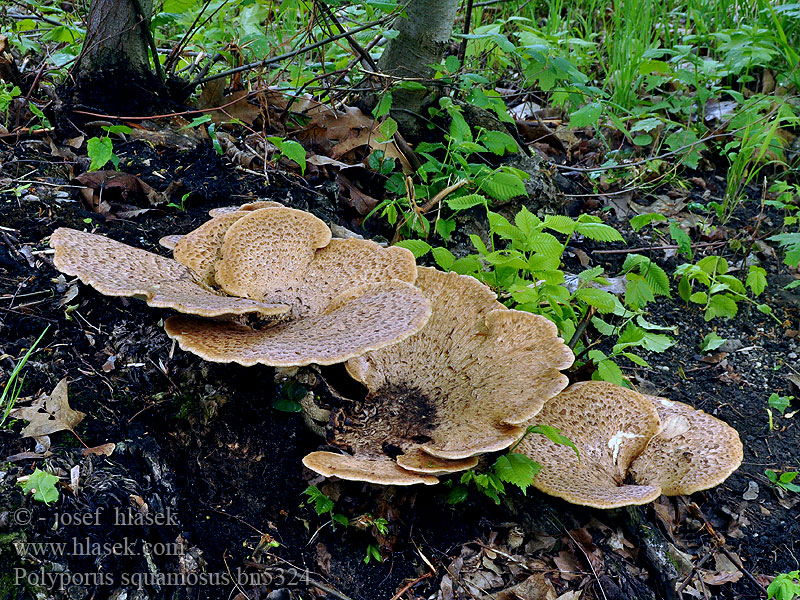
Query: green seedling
[784,480]
[785,586]
[13,386]
[778,403]
[101,149]
[42,485]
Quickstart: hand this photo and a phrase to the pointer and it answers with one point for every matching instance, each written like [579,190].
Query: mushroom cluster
[315,299]
[450,373]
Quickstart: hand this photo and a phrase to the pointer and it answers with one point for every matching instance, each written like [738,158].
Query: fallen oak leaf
[101,450]
[49,414]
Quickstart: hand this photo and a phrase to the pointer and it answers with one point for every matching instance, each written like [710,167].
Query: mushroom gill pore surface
[632,447]
[462,386]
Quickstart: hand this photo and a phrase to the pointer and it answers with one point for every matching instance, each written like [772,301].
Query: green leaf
[681,238]
[711,342]
[601,300]
[599,232]
[388,128]
[657,342]
[444,258]
[586,115]
[560,223]
[465,202]
[608,370]
[713,265]
[294,151]
[698,298]
[638,292]
[418,248]
[459,129]
[43,486]
[640,221]
[384,106]
[554,435]
[780,403]
[322,503]
[498,142]
[756,280]
[721,305]
[505,186]
[517,469]
[100,151]
[177,6]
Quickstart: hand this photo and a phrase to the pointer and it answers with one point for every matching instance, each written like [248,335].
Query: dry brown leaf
[49,414]
[535,587]
[101,450]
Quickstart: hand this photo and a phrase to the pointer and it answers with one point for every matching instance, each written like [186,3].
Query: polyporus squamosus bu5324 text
[327,300]
[633,448]
[463,385]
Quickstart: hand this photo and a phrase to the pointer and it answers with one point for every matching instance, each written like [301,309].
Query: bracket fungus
[325,300]
[633,448]
[465,384]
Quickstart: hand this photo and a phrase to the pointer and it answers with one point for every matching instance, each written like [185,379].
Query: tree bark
[113,73]
[422,42]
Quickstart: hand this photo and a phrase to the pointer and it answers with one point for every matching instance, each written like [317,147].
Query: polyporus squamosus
[464,385]
[633,448]
[326,300]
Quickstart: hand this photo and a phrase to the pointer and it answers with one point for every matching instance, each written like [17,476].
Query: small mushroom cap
[199,249]
[692,451]
[481,369]
[420,462]
[610,425]
[382,472]
[362,319]
[250,206]
[169,241]
[268,249]
[116,269]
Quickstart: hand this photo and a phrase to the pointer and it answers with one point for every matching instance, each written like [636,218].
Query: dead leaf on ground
[108,192]
[535,587]
[359,201]
[101,450]
[49,414]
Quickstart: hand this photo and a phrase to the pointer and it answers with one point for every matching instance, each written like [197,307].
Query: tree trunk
[113,73]
[422,42]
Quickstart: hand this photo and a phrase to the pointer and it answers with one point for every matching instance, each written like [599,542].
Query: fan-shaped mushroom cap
[661,446]
[692,451]
[169,241]
[268,248]
[116,269]
[610,425]
[381,472]
[457,388]
[483,369]
[360,320]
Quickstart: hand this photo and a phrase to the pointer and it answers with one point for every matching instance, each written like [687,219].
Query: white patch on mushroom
[616,442]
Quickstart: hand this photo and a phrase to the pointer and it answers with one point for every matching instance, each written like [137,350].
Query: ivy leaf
[756,280]
[517,469]
[43,486]
[418,248]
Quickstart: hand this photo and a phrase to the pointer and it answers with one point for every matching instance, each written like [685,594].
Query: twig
[695,569]
[350,39]
[588,560]
[269,61]
[409,585]
[462,47]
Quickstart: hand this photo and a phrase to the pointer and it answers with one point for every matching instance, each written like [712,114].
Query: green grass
[13,386]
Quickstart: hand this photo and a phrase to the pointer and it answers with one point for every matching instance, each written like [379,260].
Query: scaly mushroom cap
[359,320]
[116,269]
[632,447]
[459,387]
[693,451]
[610,425]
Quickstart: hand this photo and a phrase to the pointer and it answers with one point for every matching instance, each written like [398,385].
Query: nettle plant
[525,264]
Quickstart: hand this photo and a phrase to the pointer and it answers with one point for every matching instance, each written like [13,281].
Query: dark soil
[213,472]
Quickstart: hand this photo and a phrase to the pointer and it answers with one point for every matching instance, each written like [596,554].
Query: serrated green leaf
[601,300]
[680,237]
[713,265]
[418,248]
[637,292]
[517,469]
[756,280]
[608,370]
[599,232]
[444,258]
[721,305]
[384,106]
[504,186]
[711,342]
[498,142]
[465,202]
[698,298]
[560,223]
[554,435]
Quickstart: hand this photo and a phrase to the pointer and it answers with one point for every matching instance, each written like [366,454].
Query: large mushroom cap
[378,471]
[692,451]
[116,269]
[632,447]
[362,319]
[459,387]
